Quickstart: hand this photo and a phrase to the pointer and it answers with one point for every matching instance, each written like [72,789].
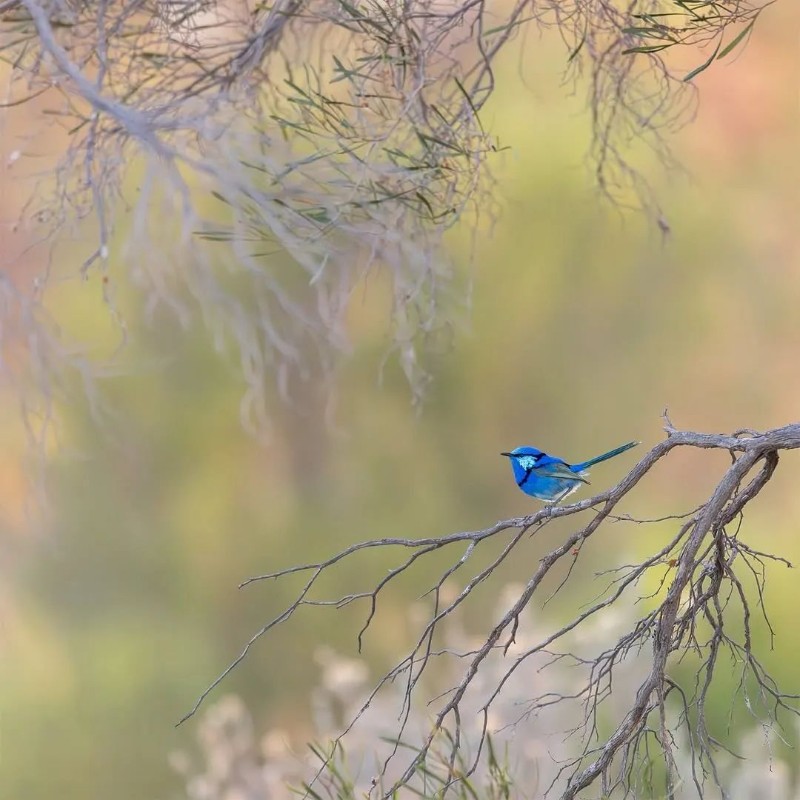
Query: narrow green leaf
[653,16]
[470,103]
[704,66]
[215,236]
[427,138]
[577,49]
[727,49]
[221,198]
[508,27]
[311,792]
[652,32]
[647,48]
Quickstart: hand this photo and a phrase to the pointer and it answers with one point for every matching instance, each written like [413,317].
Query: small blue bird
[550,478]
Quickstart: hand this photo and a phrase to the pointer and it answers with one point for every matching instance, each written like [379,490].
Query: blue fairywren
[550,478]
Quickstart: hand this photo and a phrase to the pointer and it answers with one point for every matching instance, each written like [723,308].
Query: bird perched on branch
[550,478]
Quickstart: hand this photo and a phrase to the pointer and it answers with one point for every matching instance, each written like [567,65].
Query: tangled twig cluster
[336,137]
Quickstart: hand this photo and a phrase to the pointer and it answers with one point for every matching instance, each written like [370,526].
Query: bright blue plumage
[550,478]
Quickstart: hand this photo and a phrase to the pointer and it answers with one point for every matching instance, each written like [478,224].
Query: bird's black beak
[507,454]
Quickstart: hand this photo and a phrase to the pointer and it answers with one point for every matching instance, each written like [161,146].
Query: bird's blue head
[523,459]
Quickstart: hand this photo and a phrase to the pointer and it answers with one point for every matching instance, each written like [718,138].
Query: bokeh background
[584,325]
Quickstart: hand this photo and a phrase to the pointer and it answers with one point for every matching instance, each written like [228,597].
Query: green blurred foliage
[584,326]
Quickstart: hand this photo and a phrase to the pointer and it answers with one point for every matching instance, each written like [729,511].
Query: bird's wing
[555,468]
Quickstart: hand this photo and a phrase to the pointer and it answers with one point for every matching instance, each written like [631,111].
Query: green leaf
[506,28]
[697,70]
[577,49]
[647,48]
[727,49]
[215,236]
[474,110]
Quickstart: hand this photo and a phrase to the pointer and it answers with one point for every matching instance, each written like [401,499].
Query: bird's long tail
[610,454]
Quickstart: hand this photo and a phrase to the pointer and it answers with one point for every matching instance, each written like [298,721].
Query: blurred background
[584,325]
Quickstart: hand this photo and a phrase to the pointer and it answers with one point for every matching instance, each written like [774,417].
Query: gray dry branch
[337,137]
[710,587]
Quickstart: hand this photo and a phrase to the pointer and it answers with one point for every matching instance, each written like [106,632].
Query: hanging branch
[344,136]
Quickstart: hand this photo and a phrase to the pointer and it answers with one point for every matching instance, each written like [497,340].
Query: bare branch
[698,583]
